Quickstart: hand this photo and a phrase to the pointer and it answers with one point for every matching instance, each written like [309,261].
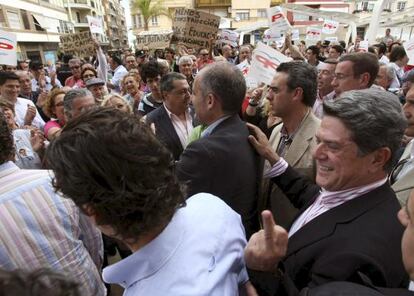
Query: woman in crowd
[131,90]
[398,60]
[54,109]
[117,102]
[88,73]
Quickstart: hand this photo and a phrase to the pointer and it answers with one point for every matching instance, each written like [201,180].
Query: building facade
[116,28]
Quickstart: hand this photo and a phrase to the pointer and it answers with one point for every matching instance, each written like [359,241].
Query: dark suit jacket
[226,165]
[362,235]
[164,130]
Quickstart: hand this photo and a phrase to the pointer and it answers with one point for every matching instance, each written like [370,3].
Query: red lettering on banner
[266,62]
[276,16]
[5,46]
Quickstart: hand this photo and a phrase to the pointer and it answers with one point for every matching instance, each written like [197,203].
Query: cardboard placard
[265,60]
[80,44]
[154,39]
[330,27]
[229,37]
[8,44]
[194,28]
[277,20]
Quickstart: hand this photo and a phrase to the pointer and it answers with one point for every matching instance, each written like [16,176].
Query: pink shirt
[71,82]
[49,125]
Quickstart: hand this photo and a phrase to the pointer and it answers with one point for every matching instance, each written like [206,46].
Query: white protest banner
[8,44]
[194,28]
[363,46]
[265,60]
[154,39]
[313,34]
[331,39]
[80,44]
[229,37]
[330,27]
[277,20]
[268,35]
[95,24]
[295,34]
[244,67]
[409,49]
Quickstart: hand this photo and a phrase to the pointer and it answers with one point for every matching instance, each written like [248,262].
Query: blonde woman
[130,90]
[117,102]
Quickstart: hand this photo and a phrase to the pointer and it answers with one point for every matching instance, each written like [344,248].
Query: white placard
[363,46]
[265,60]
[277,20]
[229,37]
[331,39]
[268,35]
[313,34]
[95,24]
[295,34]
[330,27]
[409,49]
[8,44]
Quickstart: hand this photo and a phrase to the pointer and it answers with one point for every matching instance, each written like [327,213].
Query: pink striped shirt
[326,200]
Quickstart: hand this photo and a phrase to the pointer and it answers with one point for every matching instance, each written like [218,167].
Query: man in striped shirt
[40,228]
[347,227]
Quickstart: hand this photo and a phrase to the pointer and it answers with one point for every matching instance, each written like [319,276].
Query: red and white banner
[265,60]
[330,27]
[277,20]
[313,34]
[8,44]
[229,37]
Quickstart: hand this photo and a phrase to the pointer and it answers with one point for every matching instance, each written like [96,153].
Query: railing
[207,3]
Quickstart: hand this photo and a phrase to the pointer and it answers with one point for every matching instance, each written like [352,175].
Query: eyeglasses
[74,67]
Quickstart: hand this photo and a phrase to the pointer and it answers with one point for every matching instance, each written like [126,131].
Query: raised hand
[30,115]
[267,247]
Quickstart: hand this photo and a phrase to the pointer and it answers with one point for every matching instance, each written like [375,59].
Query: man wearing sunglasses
[75,81]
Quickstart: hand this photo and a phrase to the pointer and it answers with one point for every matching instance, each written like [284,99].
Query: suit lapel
[168,129]
[301,141]
[325,224]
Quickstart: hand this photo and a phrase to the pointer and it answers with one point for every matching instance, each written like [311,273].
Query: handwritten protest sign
[265,60]
[79,44]
[8,44]
[330,27]
[95,24]
[154,39]
[194,28]
[229,37]
[277,20]
[313,34]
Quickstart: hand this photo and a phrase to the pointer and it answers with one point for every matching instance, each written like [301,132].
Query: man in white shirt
[351,209]
[115,62]
[25,110]
[125,182]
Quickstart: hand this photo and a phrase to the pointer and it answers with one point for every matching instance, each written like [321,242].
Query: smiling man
[347,227]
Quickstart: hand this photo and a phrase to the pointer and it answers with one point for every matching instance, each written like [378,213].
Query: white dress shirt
[20,109]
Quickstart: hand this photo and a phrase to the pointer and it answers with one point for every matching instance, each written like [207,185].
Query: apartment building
[116,28]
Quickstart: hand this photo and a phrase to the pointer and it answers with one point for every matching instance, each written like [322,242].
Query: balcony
[276,2]
[213,3]
[82,24]
[79,4]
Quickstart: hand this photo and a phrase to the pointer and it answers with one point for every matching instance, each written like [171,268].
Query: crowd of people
[203,185]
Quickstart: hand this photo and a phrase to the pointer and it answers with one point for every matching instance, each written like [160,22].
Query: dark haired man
[125,182]
[151,75]
[312,55]
[119,71]
[292,94]
[173,121]
[350,209]
[41,229]
[222,162]
[335,51]
[355,71]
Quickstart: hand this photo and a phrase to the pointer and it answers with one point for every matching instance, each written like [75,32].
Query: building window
[261,13]
[2,19]
[25,19]
[78,18]
[93,4]
[138,21]
[14,20]
[154,20]
[401,5]
[243,16]
[37,24]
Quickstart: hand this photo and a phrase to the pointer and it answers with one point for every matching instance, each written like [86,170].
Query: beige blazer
[299,156]
[404,185]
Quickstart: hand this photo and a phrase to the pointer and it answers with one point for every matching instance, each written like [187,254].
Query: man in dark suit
[222,161]
[172,121]
[347,227]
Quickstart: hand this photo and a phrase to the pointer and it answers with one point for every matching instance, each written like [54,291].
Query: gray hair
[72,95]
[374,117]
[185,59]
[226,82]
[389,71]
[167,81]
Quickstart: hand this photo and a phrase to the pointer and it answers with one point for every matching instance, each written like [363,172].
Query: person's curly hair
[112,166]
[6,140]
[50,101]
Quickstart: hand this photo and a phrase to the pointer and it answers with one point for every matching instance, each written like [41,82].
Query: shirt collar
[8,168]
[151,258]
[170,114]
[212,126]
